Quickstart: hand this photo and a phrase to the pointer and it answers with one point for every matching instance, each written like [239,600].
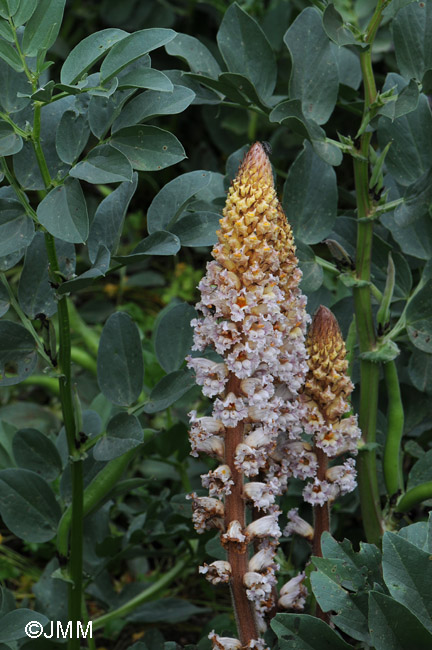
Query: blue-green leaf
[158,243]
[124,432]
[18,354]
[63,212]
[411,32]
[71,137]
[10,142]
[88,52]
[197,56]
[148,148]
[104,164]
[197,228]
[43,27]
[174,336]
[16,228]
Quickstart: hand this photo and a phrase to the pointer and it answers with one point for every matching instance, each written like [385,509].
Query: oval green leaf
[63,212]
[33,450]
[18,354]
[124,432]
[174,336]
[88,52]
[104,164]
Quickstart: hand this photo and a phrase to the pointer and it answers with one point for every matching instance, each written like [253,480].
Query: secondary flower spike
[253,316]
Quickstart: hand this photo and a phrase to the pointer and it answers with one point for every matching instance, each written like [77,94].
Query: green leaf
[174,336]
[408,574]
[4,300]
[336,29]
[43,27]
[158,243]
[348,62]
[104,110]
[312,272]
[25,10]
[120,367]
[304,632]
[411,28]
[33,450]
[195,54]
[124,432]
[418,320]
[168,390]
[310,196]
[420,371]
[63,212]
[394,627]
[314,77]
[13,624]
[103,164]
[28,506]
[10,142]
[16,228]
[197,228]
[18,354]
[148,148]
[88,52]
[71,137]
[411,137]
[97,270]
[414,239]
[35,294]
[7,432]
[133,47]
[107,224]
[9,54]
[290,114]
[417,201]
[166,610]
[141,77]
[246,50]
[153,103]
[12,83]
[421,472]
[417,534]
[172,199]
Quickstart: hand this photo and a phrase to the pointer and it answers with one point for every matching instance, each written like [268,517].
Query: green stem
[83,359]
[350,345]
[42,381]
[43,167]
[369,371]
[392,461]
[414,496]
[143,597]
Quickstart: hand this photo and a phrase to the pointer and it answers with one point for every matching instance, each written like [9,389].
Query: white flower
[298,525]
[344,476]
[264,527]
[261,494]
[218,481]
[224,642]
[230,411]
[262,560]
[319,492]
[293,593]
[234,535]
[217,572]
[210,375]
[207,512]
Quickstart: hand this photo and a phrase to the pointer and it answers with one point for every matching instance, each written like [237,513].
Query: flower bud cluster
[253,316]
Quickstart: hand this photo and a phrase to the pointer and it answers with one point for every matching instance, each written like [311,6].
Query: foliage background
[142,530]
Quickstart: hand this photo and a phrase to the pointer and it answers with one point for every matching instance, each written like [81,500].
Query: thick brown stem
[235,510]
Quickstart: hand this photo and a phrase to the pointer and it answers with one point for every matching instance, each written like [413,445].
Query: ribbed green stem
[369,371]
[392,462]
[143,597]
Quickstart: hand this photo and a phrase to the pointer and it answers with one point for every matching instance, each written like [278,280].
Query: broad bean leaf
[4,300]
[13,624]
[97,270]
[102,111]
[313,274]
[88,52]
[16,228]
[174,336]
[133,47]
[142,77]
[417,201]
[124,432]
[290,113]
[348,62]
[25,164]
[71,137]
[246,50]
[420,371]
[43,27]
[173,198]
[314,77]
[153,103]
[407,96]
[160,242]
[120,367]
[411,28]
[12,83]
[35,294]
[336,29]
[414,239]
[169,389]
[197,56]
[304,632]
[28,506]
[24,12]
[63,212]
[109,217]
[394,627]
[18,354]
[10,142]
[104,164]
[418,321]
[52,594]
[9,54]
[421,472]
[148,148]
[411,137]
[197,228]
[408,573]
[167,610]
[34,451]
[310,196]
